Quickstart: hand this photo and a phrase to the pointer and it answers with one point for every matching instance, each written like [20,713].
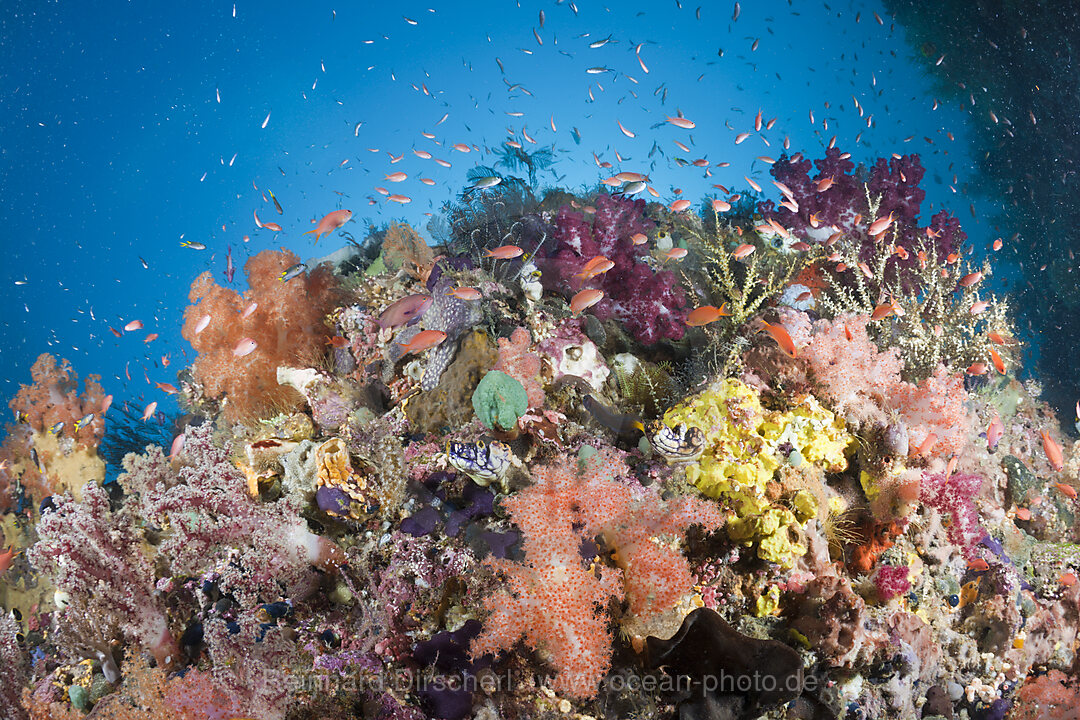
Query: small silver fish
[193,245]
[484,462]
[679,444]
[297,269]
[633,188]
[598,70]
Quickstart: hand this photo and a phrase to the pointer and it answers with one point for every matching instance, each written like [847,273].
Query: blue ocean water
[131,128]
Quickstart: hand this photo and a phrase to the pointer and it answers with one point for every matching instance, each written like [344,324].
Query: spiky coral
[552,599]
[741,287]
[939,321]
[286,325]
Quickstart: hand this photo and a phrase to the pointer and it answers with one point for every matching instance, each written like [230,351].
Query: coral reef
[552,597]
[814,477]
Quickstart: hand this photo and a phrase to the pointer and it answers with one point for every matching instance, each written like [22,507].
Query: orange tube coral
[285,324]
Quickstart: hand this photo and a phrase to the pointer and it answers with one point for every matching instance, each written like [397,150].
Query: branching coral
[553,599]
[954,495]
[86,548]
[286,325]
[743,287]
[939,321]
[404,249]
[12,670]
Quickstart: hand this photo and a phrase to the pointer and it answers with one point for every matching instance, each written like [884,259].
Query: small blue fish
[84,420]
[57,428]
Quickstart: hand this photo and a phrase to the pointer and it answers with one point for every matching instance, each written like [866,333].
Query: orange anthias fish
[999,364]
[679,205]
[246,346]
[585,299]
[1053,453]
[330,223]
[639,238]
[706,314]
[780,335]
[970,279]
[423,340]
[994,431]
[676,253]
[883,311]
[466,293]
[505,252]
[681,122]
[597,266]
[149,411]
[743,250]
[6,558]
[1067,490]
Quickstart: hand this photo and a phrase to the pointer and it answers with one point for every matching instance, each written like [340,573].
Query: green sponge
[499,400]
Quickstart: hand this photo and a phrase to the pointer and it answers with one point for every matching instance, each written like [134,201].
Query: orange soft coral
[554,600]
[54,398]
[286,325]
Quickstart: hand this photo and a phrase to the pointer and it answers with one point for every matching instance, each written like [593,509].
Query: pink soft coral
[518,362]
[863,383]
[85,548]
[554,600]
[286,325]
[54,397]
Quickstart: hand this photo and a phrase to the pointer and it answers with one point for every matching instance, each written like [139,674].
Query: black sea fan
[125,432]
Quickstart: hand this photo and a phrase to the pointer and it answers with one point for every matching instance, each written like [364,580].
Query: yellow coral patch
[745,444]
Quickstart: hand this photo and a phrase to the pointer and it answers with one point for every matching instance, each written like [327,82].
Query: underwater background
[539,359]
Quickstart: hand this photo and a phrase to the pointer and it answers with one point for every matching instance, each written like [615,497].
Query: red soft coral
[287,327]
[54,397]
[553,599]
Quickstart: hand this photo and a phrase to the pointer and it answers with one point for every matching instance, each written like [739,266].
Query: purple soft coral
[835,197]
[649,303]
